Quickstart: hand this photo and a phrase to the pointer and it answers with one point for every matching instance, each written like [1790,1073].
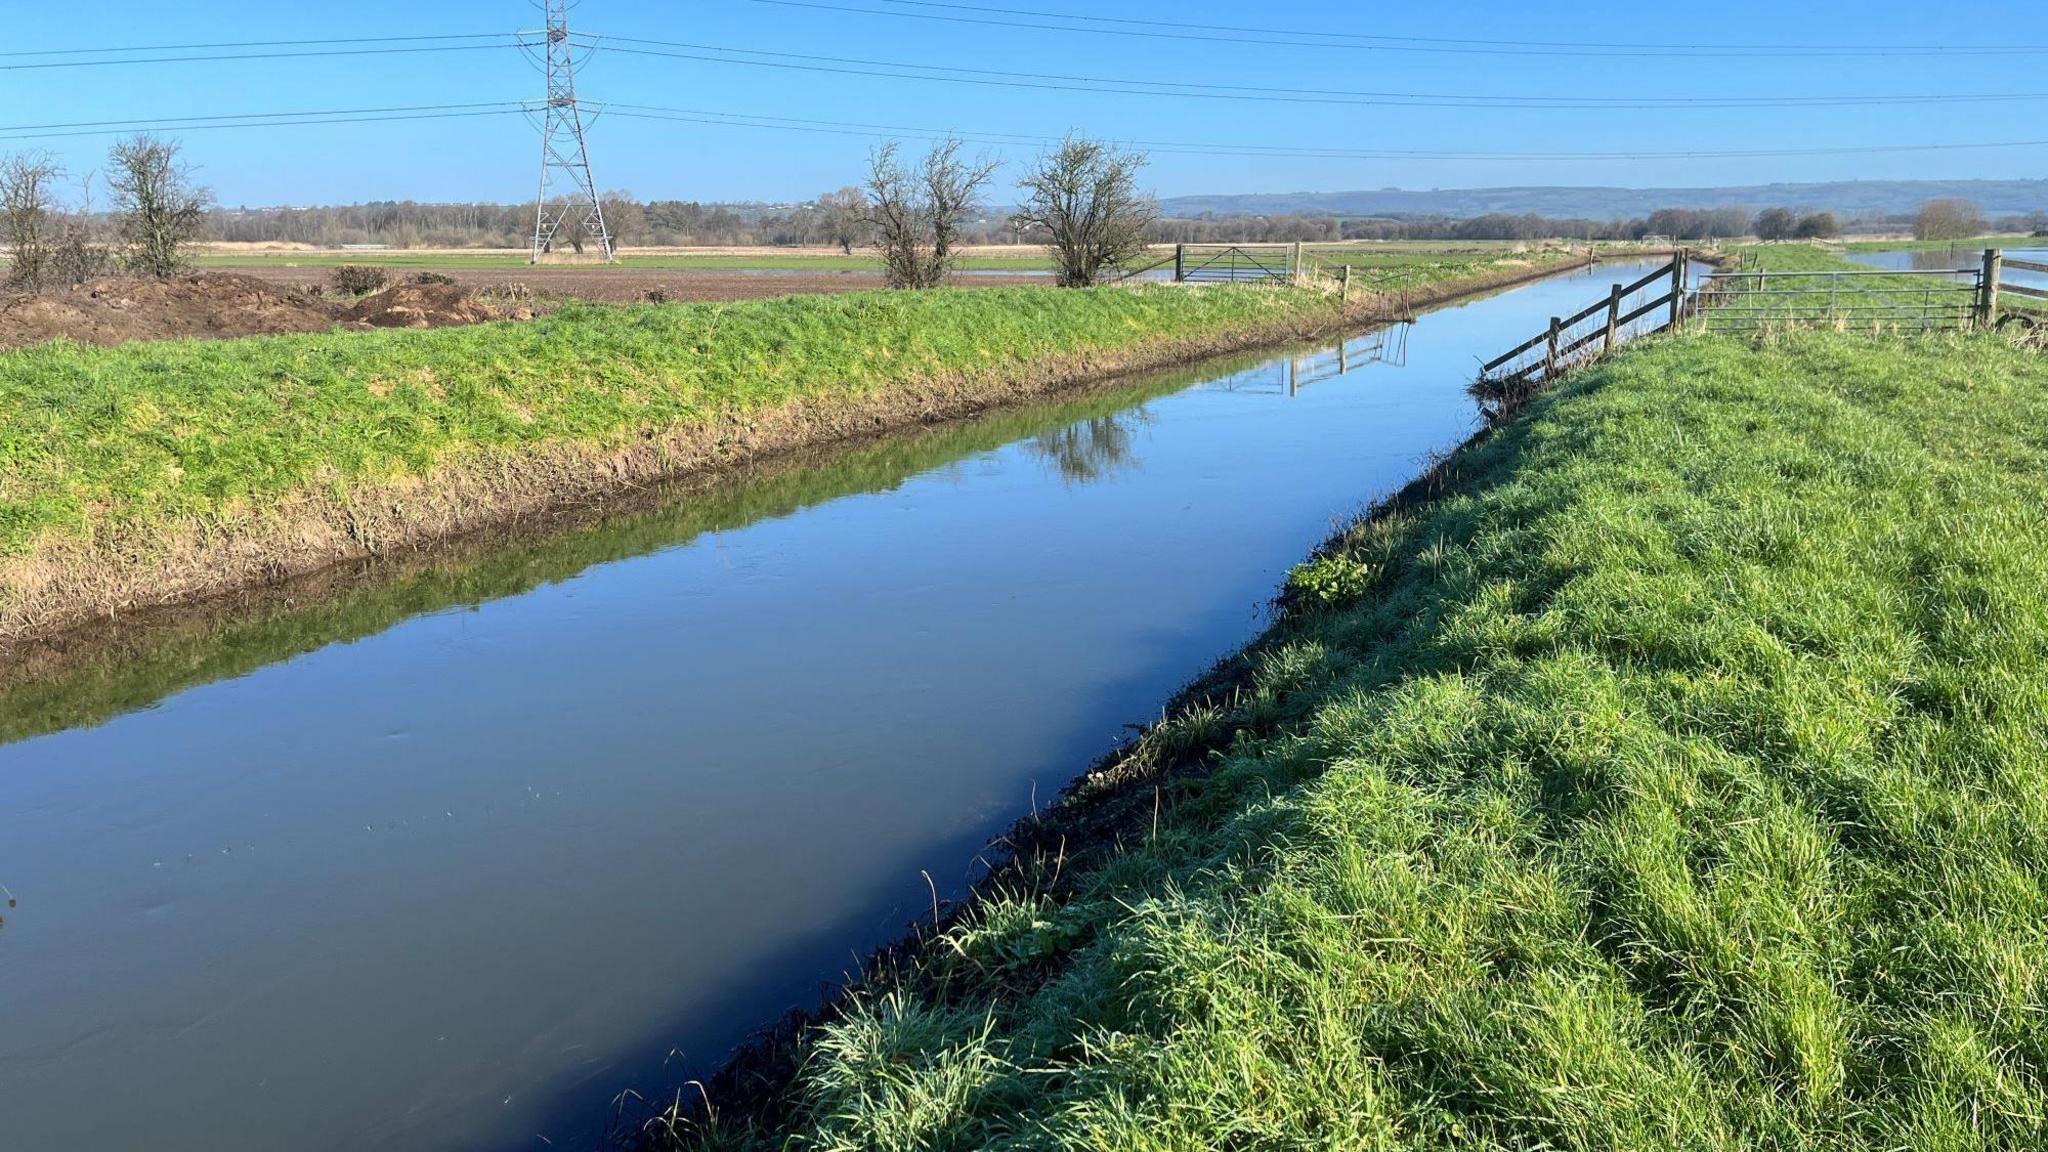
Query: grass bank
[157,474]
[1673,780]
[106,673]
[147,473]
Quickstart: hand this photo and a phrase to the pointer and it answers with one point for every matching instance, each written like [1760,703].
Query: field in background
[727,273]
[980,258]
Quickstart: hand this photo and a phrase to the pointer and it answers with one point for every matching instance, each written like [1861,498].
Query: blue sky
[494,158]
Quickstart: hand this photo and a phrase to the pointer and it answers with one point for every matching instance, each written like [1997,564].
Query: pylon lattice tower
[567,190]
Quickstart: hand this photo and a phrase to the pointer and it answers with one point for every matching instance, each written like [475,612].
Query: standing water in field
[448,858]
[1961,260]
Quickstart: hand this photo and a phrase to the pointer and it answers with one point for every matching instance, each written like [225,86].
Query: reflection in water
[444,859]
[136,663]
[1093,449]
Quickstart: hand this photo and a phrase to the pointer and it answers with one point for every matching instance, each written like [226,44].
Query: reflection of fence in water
[1287,377]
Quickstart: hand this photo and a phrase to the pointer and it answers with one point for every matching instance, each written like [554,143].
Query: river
[444,859]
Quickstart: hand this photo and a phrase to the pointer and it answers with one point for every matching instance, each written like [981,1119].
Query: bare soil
[236,302]
[117,311]
[538,287]
[223,306]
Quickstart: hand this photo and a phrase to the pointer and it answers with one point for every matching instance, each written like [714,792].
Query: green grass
[101,440]
[1675,781]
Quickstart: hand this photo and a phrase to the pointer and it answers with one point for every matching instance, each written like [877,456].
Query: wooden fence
[1571,340]
[1995,288]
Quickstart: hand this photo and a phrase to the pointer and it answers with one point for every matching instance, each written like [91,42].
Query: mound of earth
[117,311]
[420,306]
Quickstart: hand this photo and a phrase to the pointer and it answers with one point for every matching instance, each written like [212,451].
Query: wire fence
[1903,301]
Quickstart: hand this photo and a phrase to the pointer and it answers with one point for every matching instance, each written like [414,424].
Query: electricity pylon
[567,190]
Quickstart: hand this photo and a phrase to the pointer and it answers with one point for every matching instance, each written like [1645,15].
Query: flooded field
[445,857]
[1965,261]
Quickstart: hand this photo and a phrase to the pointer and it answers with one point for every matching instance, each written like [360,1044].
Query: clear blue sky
[495,158]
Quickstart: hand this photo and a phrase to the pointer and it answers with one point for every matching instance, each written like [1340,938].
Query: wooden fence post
[1678,263]
[1550,358]
[1344,286]
[1613,317]
[1180,263]
[1987,291]
[1298,271]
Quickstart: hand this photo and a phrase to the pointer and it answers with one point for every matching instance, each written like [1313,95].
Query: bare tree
[953,187]
[81,251]
[915,218]
[159,207]
[1948,220]
[623,216]
[1083,198]
[26,216]
[845,216]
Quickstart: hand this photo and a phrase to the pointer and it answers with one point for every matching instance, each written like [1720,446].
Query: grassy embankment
[1673,781]
[149,474]
[145,473]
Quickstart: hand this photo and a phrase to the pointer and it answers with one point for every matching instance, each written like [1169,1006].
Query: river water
[446,859]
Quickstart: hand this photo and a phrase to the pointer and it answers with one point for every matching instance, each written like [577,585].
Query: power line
[854,128]
[988,77]
[1467,42]
[258,44]
[43,65]
[1311,39]
[729,119]
[262,120]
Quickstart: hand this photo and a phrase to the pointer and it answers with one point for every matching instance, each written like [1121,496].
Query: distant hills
[1853,198]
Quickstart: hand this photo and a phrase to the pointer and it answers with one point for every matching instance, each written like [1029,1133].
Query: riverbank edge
[1116,798]
[1113,800]
[61,595]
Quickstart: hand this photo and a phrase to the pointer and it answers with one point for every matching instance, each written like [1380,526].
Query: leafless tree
[624,216]
[915,217]
[1083,198]
[160,209]
[844,215]
[81,252]
[1948,220]
[27,203]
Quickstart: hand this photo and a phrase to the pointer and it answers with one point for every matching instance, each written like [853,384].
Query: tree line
[1080,200]
[833,219]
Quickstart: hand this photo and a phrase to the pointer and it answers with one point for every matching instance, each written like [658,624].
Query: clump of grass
[1675,780]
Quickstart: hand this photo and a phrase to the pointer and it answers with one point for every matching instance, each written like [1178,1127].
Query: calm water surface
[1923,260]
[446,861]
